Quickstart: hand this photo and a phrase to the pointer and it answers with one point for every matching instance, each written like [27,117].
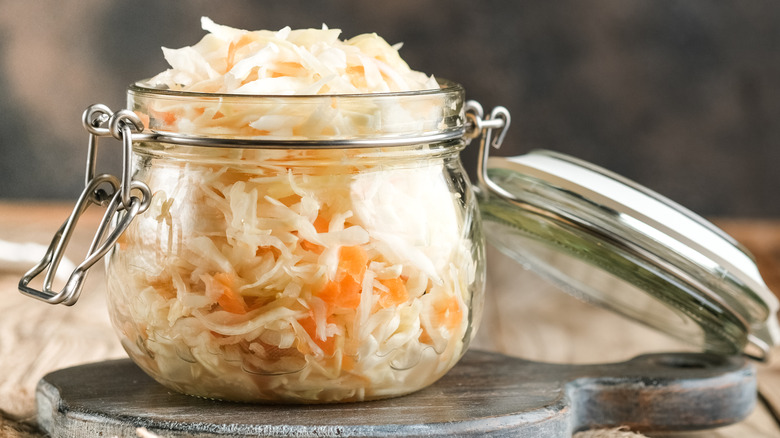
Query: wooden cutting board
[486,394]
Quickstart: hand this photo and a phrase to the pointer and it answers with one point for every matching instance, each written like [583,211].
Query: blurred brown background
[682,96]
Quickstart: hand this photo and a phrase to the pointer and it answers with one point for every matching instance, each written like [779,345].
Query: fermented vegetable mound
[246,285]
[304,61]
[278,70]
[293,274]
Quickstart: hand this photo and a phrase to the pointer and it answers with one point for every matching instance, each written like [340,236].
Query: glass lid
[612,242]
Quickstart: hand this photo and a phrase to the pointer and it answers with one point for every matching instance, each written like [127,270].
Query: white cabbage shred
[284,63]
[305,61]
[293,275]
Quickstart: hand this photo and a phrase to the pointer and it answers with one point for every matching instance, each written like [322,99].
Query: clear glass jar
[346,267]
[329,248]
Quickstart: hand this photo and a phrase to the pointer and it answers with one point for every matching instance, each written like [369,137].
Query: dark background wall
[682,96]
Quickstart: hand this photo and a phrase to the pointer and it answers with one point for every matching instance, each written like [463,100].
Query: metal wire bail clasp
[120,197]
[484,127]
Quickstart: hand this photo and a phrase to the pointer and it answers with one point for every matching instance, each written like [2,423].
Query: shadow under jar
[299,248]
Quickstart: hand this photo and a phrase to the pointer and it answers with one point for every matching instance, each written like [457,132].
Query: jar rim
[322,120]
[447,87]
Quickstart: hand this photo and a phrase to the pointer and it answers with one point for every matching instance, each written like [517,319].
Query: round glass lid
[617,244]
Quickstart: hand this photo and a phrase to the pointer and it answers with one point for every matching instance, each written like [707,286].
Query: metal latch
[123,200]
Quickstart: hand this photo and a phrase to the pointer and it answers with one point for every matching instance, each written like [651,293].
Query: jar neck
[319,121]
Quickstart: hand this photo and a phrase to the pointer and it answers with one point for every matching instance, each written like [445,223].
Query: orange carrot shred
[313,247]
[350,292]
[328,345]
[230,300]
[169,118]
[144,118]
[450,314]
[347,363]
[395,295]
[345,290]
[321,224]
[341,294]
[425,337]
[353,261]
[229,60]
[330,293]
[447,314]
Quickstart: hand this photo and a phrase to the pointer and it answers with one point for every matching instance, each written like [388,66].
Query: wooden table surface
[523,317]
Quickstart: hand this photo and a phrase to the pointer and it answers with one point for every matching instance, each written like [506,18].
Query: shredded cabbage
[306,276]
[305,61]
[311,62]
[244,285]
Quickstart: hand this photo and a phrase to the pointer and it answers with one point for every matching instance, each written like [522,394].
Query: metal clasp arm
[484,128]
[102,242]
[121,203]
[51,260]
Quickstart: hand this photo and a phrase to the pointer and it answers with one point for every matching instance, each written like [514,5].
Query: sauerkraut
[230,62]
[303,61]
[293,274]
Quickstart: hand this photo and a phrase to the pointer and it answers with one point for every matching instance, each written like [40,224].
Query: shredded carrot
[313,247]
[328,345]
[252,76]
[261,250]
[230,300]
[425,337]
[233,48]
[290,200]
[321,224]
[122,241]
[330,293]
[347,363]
[169,118]
[350,292]
[395,295]
[353,261]
[449,314]
[341,294]
[344,291]
[144,118]
[231,55]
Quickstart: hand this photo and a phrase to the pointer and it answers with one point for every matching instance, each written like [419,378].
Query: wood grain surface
[486,394]
[523,317]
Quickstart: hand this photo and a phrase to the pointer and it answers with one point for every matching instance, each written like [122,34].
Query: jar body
[299,275]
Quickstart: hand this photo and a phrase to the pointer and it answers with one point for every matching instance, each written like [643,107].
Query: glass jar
[329,248]
[337,269]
